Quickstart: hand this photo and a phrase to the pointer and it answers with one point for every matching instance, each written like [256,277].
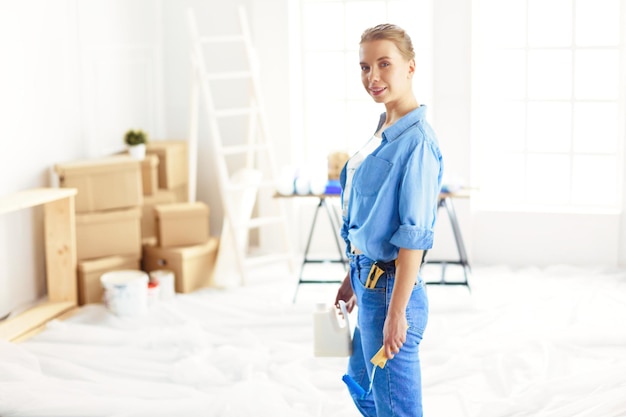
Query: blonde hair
[391,32]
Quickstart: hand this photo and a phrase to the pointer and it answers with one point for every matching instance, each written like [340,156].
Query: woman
[389,197]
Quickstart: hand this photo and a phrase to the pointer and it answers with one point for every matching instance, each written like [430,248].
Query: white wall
[75,75]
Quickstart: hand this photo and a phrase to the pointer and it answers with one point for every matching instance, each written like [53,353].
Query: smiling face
[386,74]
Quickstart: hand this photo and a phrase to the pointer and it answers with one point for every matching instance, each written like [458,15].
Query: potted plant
[136,140]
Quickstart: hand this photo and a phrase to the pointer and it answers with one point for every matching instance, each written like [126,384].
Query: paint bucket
[166,282]
[125,292]
[331,332]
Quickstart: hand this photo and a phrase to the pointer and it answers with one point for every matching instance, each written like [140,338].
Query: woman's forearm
[407,268]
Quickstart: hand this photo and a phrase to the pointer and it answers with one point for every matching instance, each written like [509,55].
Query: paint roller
[379,360]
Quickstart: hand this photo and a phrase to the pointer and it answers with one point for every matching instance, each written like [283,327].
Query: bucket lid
[124,276]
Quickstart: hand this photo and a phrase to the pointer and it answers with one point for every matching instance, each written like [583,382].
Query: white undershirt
[353,163]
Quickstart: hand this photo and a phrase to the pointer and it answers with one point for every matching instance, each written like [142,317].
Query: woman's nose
[373,75]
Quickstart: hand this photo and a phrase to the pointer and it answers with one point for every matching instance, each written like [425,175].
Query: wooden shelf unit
[60,254]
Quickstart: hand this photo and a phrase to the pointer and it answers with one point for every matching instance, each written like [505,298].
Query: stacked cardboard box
[184,245]
[150,175]
[108,218]
[173,166]
[126,208]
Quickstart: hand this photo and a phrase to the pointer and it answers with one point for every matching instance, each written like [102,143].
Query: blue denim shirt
[393,201]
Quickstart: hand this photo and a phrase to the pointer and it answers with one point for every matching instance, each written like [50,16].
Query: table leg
[334,224]
[446,202]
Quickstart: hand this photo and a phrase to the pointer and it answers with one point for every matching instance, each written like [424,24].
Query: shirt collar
[413,117]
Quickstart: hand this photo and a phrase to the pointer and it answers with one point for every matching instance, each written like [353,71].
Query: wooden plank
[60,248]
[65,315]
[33,197]
[60,244]
[30,320]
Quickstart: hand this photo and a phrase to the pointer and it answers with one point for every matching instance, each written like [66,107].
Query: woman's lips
[377,91]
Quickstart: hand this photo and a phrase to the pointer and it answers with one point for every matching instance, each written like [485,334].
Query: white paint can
[125,292]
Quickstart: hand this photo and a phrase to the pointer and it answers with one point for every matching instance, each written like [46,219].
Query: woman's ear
[411,68]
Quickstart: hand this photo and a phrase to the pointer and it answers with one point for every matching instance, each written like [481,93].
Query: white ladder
[241,190]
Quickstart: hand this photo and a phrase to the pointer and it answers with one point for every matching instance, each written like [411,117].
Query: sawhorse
[445,201]
[335,225]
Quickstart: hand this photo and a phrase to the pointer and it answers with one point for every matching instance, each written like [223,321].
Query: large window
[337,113]
[548,103]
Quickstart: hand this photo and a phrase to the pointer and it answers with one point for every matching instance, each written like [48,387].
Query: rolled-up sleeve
[418,198]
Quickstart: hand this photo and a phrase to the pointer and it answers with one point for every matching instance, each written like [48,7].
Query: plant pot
[137,151]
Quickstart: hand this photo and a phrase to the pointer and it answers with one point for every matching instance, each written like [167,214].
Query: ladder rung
[232,75]
[222,39]
[236,149]
[262,221]
[264,259]
[263,184]
[258,222]
[236,112]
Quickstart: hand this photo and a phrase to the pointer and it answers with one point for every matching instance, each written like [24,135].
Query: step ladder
[246,172]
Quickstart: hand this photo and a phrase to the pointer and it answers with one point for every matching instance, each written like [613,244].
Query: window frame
[509,202]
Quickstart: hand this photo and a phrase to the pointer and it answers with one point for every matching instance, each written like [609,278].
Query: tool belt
[376,271]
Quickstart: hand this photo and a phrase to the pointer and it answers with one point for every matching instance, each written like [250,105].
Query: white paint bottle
[331,331]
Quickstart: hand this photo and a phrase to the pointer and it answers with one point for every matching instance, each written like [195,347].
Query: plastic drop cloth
[532,342]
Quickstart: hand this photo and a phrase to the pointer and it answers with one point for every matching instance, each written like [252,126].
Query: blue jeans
[397,388]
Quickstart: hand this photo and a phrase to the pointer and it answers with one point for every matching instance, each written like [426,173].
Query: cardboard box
[193,266]
[107,233]
[150,174]
[90,289]
[107,183]
[182,224]
[181,192]
[148,221]
[173,162]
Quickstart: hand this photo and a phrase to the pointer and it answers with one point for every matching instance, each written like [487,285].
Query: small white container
[331,332]
[166,282]
[125,292]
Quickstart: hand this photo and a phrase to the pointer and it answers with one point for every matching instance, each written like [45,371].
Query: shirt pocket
[371,175]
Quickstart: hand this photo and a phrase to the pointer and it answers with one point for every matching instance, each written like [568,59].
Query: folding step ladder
[244,170]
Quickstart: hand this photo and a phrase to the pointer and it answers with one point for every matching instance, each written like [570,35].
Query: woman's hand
[346,293]
[396,324]
[394,333]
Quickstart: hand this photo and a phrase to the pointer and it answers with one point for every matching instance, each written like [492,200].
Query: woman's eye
[364,68]
[384,64]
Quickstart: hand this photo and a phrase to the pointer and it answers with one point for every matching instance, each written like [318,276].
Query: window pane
[549,74]
[597,74]
[323,25]
[549,126]
[595,127]
[416,17]
[324,75]
[548,179]
[595,180]
[423,78]
[354,86]
[361,15]
[503,74]
[502,23]
[549,23]
[502,178]
[597,22]
[326,127]
[505,129]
